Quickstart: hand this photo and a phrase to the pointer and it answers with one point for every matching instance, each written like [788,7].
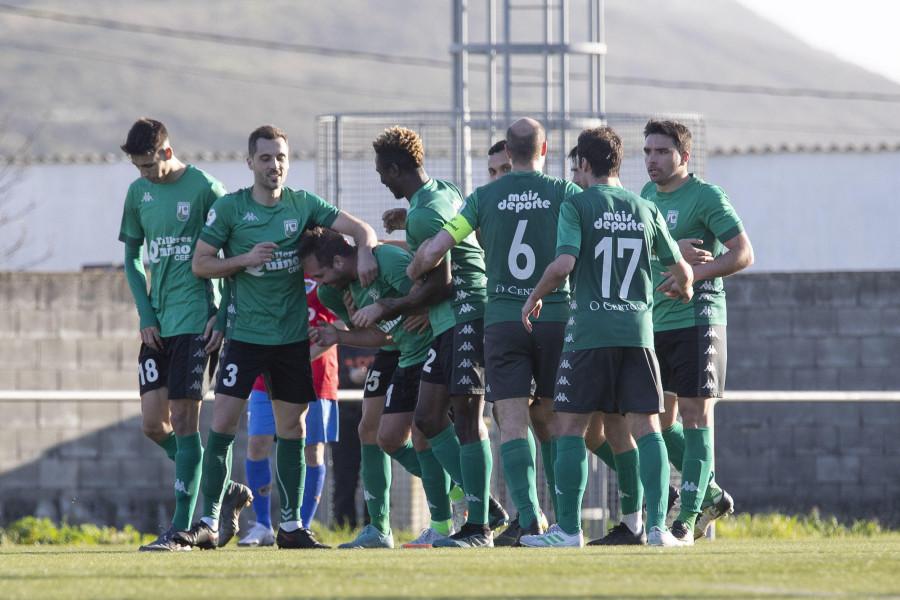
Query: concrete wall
[87,459]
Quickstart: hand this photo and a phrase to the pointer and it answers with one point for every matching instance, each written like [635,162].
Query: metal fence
[456,151]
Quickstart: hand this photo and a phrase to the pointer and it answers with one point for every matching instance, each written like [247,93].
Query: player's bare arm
[434,289]
[365,240]
[738,257]
[208,265]
[554,275]
[326,334]
[430,253]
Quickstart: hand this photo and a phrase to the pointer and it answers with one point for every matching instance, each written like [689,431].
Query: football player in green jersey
[605,238]
[166,208]
[513,213]
[331,261]
[690,339]
[266,330]
[454,374]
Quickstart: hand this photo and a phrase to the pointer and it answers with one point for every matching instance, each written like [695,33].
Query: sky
[863,32]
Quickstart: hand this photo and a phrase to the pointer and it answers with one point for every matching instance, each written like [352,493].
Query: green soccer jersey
[517,215]
[266,304]
[169,217]
[695,210]
[391,282]
[611,232]
[430,208]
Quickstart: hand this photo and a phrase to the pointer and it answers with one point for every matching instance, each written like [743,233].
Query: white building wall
[815,212]
[803,211]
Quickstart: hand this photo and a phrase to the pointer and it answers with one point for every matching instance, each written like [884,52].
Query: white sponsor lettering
[618,221]
[525,201]
[626,307]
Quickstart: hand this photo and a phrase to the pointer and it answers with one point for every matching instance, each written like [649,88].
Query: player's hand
[531,307]
[213,338]
[368,316]
[325,334]
[261,254]
[672,290]
[349,304]
[366,265]
[693,255]
[417,323]
[215,341]
[150,337]
[394,219]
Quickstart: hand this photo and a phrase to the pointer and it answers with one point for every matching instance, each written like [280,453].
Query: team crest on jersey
[310,285]
[672,218]
[291,227]
[210,217]
[184,211]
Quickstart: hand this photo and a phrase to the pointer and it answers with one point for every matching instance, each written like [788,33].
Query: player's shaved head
[525,139]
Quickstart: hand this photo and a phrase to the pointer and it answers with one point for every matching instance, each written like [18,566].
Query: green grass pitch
[840,567]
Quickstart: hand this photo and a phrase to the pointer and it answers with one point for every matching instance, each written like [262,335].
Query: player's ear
[685,157]
[168,152]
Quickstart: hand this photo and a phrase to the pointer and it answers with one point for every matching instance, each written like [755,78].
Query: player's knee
[156,430]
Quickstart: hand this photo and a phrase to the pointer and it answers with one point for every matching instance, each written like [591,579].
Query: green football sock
[604,452]
[170,445]
[436,483]
[216,472]
[674,438]
[188,467]
[518,470]
[695,475]
[477,466]
[548,457]
[655,472]
[290,476]
[571,478]
[376,478]
[631,491]
[445,446]
[406,457]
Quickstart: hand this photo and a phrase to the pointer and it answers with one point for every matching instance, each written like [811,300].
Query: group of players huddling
[596,338]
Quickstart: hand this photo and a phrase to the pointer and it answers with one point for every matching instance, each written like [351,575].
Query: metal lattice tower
[527,66]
